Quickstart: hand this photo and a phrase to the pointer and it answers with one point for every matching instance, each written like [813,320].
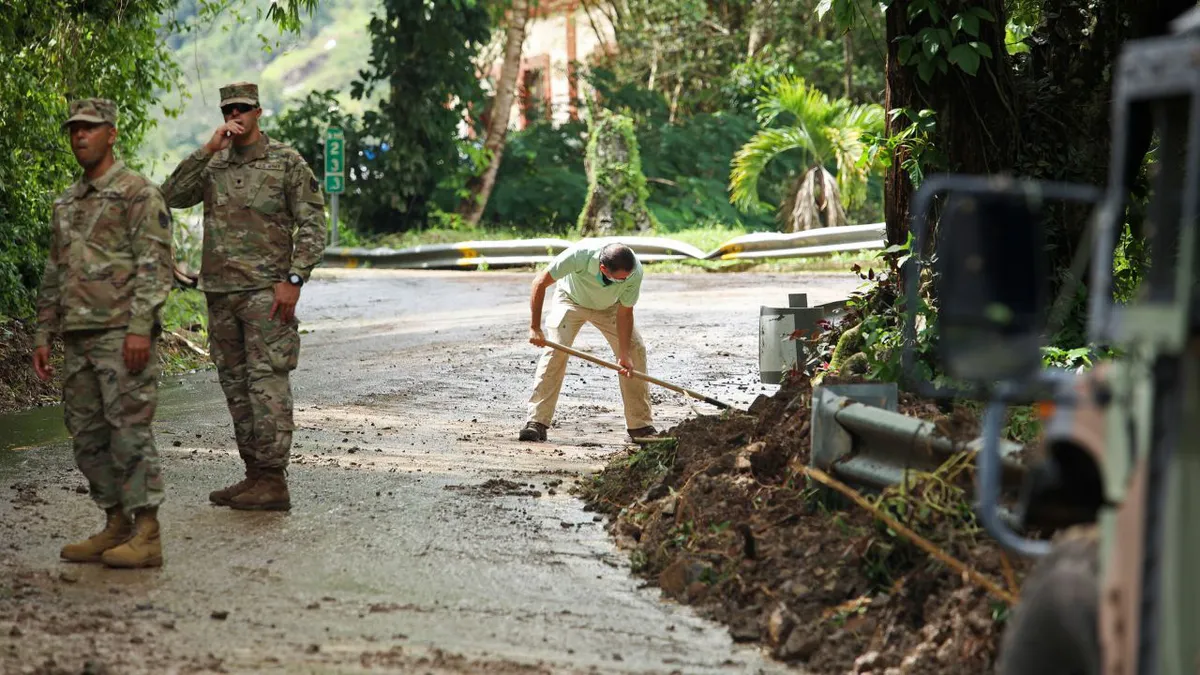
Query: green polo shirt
[577,271]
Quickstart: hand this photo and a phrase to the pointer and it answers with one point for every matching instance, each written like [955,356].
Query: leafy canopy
[826,132]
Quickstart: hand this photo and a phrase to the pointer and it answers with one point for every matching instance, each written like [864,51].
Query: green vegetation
[628,477]
[775,121]
[185,328]
[827,132]
[616,197]
[687,133]
[185,311]
[52,50]
[214,43]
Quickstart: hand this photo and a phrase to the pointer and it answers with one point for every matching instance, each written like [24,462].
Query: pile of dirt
[19,385]
[722,517]
[20,388]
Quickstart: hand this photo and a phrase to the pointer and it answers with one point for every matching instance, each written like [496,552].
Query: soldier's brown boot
[116,531]
[144,549]
[269,493]
[224,495]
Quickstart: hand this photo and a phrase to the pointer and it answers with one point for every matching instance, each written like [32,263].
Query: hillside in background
[327,54]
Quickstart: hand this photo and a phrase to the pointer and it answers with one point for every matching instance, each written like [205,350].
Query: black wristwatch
[295,280]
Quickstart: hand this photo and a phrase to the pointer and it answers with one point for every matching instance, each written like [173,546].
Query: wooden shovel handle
[637,374]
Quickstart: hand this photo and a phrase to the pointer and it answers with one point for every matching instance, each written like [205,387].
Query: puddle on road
[32,428]
[36,427]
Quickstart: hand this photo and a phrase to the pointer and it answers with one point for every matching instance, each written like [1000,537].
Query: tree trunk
[616,198]
[675,99]
[653,68]
[900,92]
[977,124]
[848,57]
[1077,56]
[755,39]
[473,206]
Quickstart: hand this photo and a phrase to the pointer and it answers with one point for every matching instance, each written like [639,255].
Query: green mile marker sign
[335,161]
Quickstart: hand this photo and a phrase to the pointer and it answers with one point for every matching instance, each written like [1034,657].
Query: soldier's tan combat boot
[269,493]
[144,549]
[224,495]
[116,531]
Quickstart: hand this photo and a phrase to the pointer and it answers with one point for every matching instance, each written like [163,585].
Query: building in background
[559,36]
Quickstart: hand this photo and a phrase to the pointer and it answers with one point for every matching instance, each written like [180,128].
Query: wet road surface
[409,394]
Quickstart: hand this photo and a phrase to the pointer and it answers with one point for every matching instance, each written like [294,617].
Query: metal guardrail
[873,446]
[521,252]
[796,244]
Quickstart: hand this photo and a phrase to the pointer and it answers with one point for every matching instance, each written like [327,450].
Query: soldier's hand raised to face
[223,136]
[41,363]
[137,352]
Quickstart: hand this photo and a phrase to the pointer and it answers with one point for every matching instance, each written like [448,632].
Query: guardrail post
[779,350]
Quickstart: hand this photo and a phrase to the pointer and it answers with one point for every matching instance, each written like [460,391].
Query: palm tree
[829,133]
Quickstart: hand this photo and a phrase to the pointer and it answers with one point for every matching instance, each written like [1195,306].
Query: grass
[186,310]
[705,238]
[626,478]
[340,47]
[184,317]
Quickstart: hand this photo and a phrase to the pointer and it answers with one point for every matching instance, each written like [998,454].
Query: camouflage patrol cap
[239,92]
[94,110]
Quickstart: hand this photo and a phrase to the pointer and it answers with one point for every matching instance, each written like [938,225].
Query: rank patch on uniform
[314,185]
[164,219]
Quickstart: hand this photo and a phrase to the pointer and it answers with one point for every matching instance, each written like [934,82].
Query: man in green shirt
[599,284]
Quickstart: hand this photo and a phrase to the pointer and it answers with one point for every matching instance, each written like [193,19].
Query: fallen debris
[497,487]
[724,514]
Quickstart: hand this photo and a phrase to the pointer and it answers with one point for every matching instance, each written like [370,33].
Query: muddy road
[423,536]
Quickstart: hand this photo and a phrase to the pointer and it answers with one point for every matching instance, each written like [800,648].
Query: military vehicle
[1116,589]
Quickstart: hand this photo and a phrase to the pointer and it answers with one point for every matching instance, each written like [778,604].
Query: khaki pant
[562,325]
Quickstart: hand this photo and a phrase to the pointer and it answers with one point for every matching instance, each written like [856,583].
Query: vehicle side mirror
[992,285]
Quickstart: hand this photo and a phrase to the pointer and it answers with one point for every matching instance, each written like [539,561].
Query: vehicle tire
[1054,630]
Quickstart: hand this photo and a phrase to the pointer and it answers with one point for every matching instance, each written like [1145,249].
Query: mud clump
[26,495]
[721,516]
[497,487]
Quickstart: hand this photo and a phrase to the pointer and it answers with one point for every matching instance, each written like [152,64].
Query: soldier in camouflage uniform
[107,276]
[264,232]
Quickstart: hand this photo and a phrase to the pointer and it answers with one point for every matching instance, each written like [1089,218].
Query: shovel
[640,376]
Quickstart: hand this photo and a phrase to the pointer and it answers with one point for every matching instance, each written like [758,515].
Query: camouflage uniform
[264,219]
[108,274]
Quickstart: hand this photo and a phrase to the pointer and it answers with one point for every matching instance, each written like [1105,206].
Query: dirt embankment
[20,388]
[723,518]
